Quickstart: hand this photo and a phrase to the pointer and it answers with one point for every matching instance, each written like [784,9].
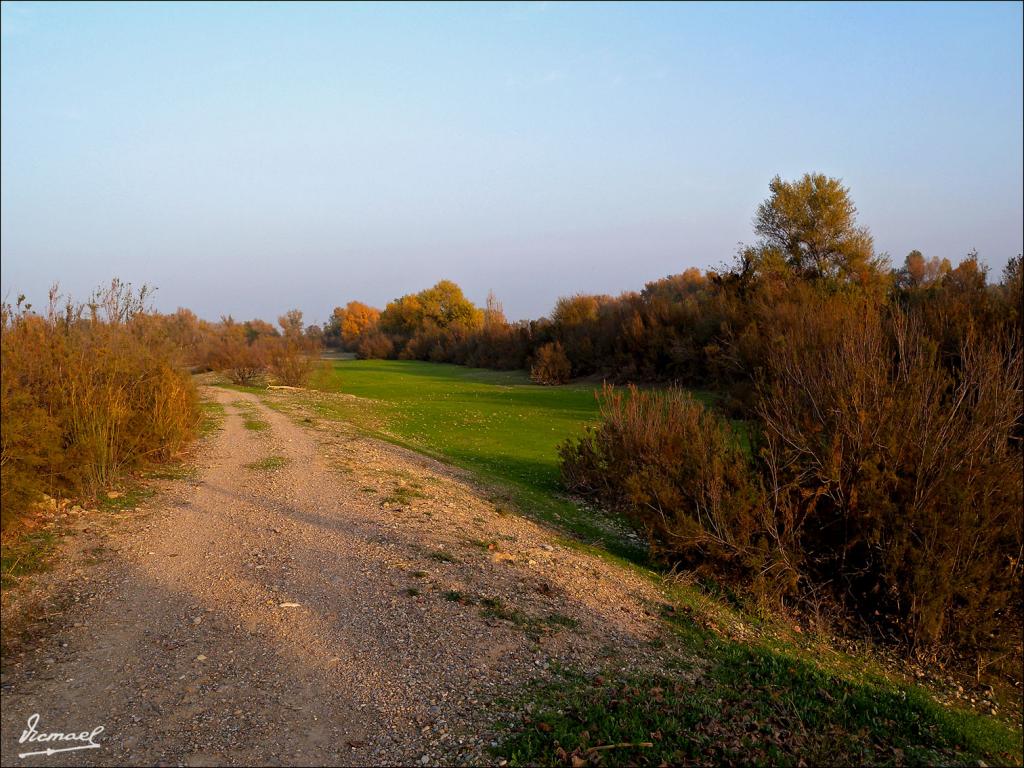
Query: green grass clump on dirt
[28,554]
[129,498]
[212,417]
[268,464]
[533,626]
[442,557]
[255,424]
[251,419]
[404,494]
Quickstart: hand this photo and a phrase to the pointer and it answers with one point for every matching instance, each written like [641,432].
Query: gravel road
[357,605]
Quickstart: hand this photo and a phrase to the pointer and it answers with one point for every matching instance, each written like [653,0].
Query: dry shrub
[244,362]
[675,468]
[247,352]
[292,356]
[289,360]
[374,345]
[551,365]
[30,436]
[894,479]
[187,334]
[89,392]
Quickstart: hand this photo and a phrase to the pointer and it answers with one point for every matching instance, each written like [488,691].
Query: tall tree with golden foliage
[811,224]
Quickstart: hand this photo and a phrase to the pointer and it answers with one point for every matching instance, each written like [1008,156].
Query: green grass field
[495,423]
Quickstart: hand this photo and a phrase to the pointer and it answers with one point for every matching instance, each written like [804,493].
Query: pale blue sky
[251,158]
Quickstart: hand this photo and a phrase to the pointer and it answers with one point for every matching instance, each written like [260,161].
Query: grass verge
[748,705]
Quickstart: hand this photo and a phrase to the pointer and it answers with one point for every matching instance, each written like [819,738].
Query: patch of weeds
[130,498]
[268,464]
[419,574]
[404,494]
[412,592]
[251,419]
[342,469]
[454,596]
[29,554]
[496,609]
[532,626]
[752,705]
[561,620]
[402,475]
[212,417]
[442,557]
[368,489]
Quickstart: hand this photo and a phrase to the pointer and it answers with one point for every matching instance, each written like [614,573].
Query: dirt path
[358,605]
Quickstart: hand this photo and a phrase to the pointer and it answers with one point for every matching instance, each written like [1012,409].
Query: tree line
[697,328]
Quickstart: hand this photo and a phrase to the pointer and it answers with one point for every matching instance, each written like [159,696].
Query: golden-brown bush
[292,355]
[290,361]
[375,345]
[89,392]
[244,362]
[886,480]
[894,479]
[674,467]
[551,365]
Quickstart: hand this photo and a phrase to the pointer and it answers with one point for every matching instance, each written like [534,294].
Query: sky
[247,159]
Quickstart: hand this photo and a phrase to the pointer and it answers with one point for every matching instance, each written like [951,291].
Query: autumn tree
[291,323]
[445,304]
[231,352]
[256,329]
[918,271]
[811,224]
[551,366]
[432,324]
[402,316]
[576,320]
[354,320]
[494,313]
[576,310]
[1012,289]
